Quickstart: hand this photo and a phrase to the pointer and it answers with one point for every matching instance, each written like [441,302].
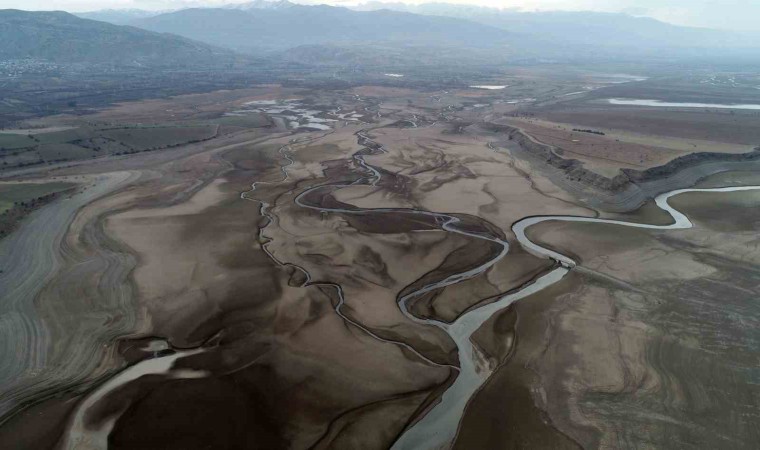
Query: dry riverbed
[348,277]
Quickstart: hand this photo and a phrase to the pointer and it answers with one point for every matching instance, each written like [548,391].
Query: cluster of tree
[580,130]
[151,149]
[35,201]
[25,164]
[10,218]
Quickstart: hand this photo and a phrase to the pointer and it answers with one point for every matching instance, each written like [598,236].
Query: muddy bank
[448,303]
[509,412]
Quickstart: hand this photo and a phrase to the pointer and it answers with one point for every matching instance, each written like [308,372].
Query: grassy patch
[25,192]
[64,152]
[155,138]
[12,141]
[19,158]
[59,137]
[81,143]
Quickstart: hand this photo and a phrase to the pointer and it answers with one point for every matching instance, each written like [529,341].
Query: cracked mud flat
[377,286]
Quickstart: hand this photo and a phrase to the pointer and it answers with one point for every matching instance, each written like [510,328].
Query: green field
[23,192]
[20,150]
[57,137]
[12,141]
[160,137]
[63,151]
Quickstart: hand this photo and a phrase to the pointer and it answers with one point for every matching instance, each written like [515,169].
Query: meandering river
[439,427]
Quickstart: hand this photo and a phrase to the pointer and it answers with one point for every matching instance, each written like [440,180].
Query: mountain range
[375,33]
[128,15]
[119,16]
[581,27]
[64,38]
[260,30]
[279,24]
[261,4]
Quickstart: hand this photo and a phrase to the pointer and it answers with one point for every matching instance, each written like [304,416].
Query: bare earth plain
[309,271]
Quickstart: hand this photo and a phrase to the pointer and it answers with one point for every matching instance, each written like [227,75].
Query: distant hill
[577,37]
[436,9]
[126,16]
[118,16]
[391,58]
[403,32]
[260,4]
[605,34]
[257,30]
[64,38]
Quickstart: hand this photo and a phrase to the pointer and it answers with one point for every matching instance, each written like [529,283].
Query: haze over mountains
[126,16]
[64,38]
[264,25]
[582,27]
[258,30]
[119,16]
[374,33]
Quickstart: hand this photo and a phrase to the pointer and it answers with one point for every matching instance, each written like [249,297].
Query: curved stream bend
[438,428]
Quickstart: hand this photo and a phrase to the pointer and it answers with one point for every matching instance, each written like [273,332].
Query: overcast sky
[739,14]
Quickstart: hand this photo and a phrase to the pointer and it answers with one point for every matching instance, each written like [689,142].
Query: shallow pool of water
[636,102]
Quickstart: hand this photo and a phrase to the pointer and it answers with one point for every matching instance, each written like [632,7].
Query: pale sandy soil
[648,140]
[460,173]
[605,155]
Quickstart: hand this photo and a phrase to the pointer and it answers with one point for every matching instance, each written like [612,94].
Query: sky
[726,14]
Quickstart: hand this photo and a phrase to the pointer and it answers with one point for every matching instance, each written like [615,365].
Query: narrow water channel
[438,428]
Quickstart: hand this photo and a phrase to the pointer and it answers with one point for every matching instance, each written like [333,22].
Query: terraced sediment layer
[630,188]
[67,288]
[30,258]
